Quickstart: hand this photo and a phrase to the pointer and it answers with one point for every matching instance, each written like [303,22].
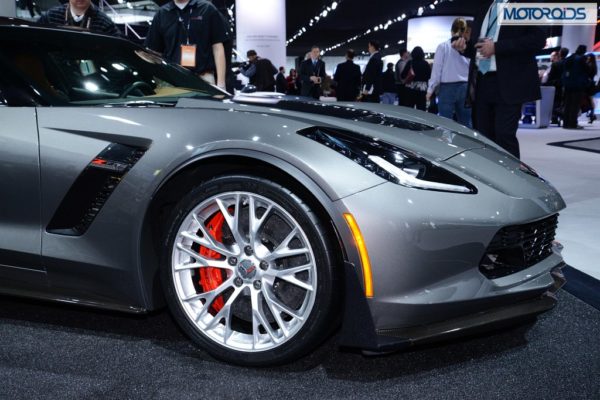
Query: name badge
[188,55]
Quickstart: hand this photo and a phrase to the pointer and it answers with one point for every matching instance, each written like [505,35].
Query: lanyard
[186,28]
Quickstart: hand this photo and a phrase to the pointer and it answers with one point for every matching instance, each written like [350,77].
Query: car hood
[506,174]
[423,133]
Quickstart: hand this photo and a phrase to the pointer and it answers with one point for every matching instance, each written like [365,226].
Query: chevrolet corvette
[265,223]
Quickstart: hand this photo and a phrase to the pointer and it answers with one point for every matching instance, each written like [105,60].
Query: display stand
[538,114]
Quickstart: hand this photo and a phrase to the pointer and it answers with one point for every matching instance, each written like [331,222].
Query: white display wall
[8,8]
[261,26]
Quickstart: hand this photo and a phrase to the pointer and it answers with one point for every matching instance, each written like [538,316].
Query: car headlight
[389,162]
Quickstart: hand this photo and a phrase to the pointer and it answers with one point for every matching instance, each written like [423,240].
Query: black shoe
[578,127]
[592,118]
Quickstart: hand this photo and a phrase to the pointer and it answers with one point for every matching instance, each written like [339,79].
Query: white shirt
[495,38]
[449,66]
[76,18]
[181,6]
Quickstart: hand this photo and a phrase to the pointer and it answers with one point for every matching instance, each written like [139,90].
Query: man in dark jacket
[260,71]
[312,73]
[347,77]
[574,82]
[82,14]
[507,74]
[280,81]
[372,78]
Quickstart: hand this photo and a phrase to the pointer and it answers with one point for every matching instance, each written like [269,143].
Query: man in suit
[347,76]
[507,74]
[312,74]
[372,78]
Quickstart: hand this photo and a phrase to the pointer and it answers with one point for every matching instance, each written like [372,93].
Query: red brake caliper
[211,278]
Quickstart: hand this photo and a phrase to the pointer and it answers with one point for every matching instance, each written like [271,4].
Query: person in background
[449,77]
[280,81]
[230,76]
[191,33]
[82,14]
[554,57]
[260,71]
[575,80]
[416,76]
[329,93]
[31,6]
[506,73]
[555,79]
[347,77]
[592,89]
[372,82]
[400,84]
[293,84]
[389,85]
[312,74]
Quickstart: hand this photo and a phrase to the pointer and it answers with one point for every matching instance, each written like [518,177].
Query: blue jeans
[388,98]
[451,101]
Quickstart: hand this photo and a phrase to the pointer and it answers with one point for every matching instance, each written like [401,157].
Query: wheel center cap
[247,269]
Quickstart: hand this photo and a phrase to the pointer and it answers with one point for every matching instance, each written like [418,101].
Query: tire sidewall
[318,323]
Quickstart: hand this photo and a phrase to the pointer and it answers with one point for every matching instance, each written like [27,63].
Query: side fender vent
[92,189]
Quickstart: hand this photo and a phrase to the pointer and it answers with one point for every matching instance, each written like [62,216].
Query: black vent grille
[92,189]
[515,248]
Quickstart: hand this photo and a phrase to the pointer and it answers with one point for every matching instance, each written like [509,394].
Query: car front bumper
[425,250]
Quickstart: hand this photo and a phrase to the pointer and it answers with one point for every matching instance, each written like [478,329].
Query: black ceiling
[354,17]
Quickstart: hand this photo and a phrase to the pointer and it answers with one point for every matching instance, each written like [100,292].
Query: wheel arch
[182,179]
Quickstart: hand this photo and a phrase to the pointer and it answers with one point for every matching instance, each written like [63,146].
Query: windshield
[107,72]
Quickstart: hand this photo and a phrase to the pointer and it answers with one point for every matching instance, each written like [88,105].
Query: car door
[20,217]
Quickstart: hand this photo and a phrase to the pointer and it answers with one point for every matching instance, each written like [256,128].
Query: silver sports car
[264,222]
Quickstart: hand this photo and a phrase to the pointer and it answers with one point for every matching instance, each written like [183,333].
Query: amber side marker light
[362,251]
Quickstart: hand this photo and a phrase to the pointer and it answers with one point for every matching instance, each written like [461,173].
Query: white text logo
[547,14]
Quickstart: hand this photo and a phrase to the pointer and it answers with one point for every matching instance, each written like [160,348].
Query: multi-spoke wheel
[248,272]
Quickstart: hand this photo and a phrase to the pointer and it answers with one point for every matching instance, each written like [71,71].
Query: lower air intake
[515,248]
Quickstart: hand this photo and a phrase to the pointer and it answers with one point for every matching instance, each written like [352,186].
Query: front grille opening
[515,248]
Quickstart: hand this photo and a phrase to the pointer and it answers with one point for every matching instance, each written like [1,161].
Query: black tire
[322,318]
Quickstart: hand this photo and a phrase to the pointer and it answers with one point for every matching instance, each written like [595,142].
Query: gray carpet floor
[63,352]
